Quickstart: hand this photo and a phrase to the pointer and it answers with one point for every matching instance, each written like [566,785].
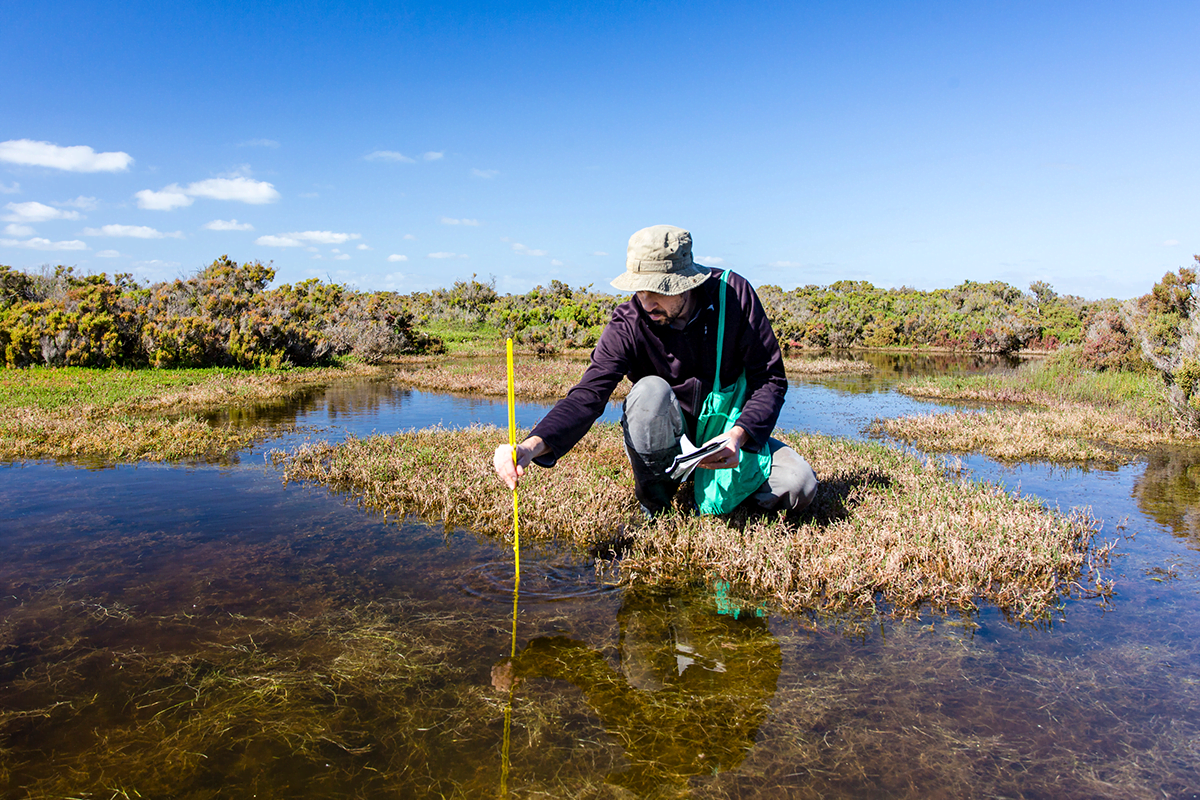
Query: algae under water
[199,631]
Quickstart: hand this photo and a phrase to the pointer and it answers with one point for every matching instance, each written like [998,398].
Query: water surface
[203,631]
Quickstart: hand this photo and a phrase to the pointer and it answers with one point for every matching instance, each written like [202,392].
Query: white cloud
[785,264]
[485,173]
[432,156]
[14,229]
[324,237]
[453,221]
[522,250]
[44,244]
[389,155]
[6,189]
[240,189]
[243,190]
[228,225]
[278,241]
[410,237]
[108,254]
[342,257]
[167,198]
[35,212]
[397,257]
[259,143]
[309,194]
[1170,242]
[446,255]
[711,261]
[554,262]
[81,202]
[154,262]
[363,247]
[599,253]
[72,159]
[134,231]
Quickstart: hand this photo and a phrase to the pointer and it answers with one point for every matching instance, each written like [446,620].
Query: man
[664,339]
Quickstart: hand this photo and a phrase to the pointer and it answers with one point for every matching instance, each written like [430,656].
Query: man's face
[664,309]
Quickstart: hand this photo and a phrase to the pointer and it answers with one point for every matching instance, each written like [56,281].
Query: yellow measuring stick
[512,441]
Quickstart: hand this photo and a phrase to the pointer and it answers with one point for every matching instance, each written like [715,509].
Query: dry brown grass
[1067,435]
[140,420]
[549,378]
[825,366]
[886,530]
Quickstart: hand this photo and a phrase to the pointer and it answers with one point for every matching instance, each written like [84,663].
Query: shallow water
[195,631]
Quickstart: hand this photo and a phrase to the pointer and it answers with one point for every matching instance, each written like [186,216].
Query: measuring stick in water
[512,442]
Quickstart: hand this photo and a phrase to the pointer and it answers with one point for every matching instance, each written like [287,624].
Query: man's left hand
[728,456]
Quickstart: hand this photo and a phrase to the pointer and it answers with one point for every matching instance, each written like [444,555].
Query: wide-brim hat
[659,259]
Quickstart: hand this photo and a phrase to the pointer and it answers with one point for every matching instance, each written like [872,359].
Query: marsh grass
[887,532]
[121,415]
[548,378]
[1053,412]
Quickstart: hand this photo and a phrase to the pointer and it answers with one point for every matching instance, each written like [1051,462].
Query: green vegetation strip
[886,532]
[1054,412]
[122,415]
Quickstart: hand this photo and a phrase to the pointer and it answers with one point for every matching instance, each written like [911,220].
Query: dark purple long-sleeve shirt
[634,347]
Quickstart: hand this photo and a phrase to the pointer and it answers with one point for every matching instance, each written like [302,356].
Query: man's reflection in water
[691,690]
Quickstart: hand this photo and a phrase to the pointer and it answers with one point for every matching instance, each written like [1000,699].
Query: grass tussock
[123,415]
[886,529]
[825,366]
[1055,412]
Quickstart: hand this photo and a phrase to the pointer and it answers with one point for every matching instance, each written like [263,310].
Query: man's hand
[728,456]
[527,451]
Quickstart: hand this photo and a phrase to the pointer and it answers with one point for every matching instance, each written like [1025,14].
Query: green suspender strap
[718,491]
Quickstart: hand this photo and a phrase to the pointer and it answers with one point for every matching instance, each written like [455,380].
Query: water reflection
[689,693]
[1168,491]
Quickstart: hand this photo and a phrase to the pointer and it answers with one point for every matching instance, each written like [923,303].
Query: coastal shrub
[224,315]
[1168,323]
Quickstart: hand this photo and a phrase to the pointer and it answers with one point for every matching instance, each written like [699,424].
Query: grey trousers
[653,425]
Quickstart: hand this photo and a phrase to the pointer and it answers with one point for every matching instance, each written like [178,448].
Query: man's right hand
[527,451]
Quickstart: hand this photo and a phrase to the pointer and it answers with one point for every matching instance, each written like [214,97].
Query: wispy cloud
[228,225]
[301,238]
[389,155]
[711,261]
[78,158]
[785,264]
[16,229]
[447,255]
[453,221]
[363,247]
[433,156]
[342,257]
[522,250]
[485,173]
[157,264]
[81,202]
[397,257]
[108,254]
[554,262]
[410,237]
[599,253]
[6,189]
[1170,242]
[36,212]
[134,231]
[239,189]
[259,143]
[44,244]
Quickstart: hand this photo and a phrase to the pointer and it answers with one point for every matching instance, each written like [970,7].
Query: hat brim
[668,283]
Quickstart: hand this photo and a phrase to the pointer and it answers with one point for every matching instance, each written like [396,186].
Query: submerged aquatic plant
[886,531]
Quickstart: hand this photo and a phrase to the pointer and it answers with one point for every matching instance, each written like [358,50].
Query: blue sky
[405,146]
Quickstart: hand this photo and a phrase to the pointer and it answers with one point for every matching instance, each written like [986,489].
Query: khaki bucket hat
[659,259]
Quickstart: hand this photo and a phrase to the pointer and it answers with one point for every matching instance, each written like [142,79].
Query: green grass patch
[120,415]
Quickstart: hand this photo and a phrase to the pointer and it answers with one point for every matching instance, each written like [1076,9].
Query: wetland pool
[197,631]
